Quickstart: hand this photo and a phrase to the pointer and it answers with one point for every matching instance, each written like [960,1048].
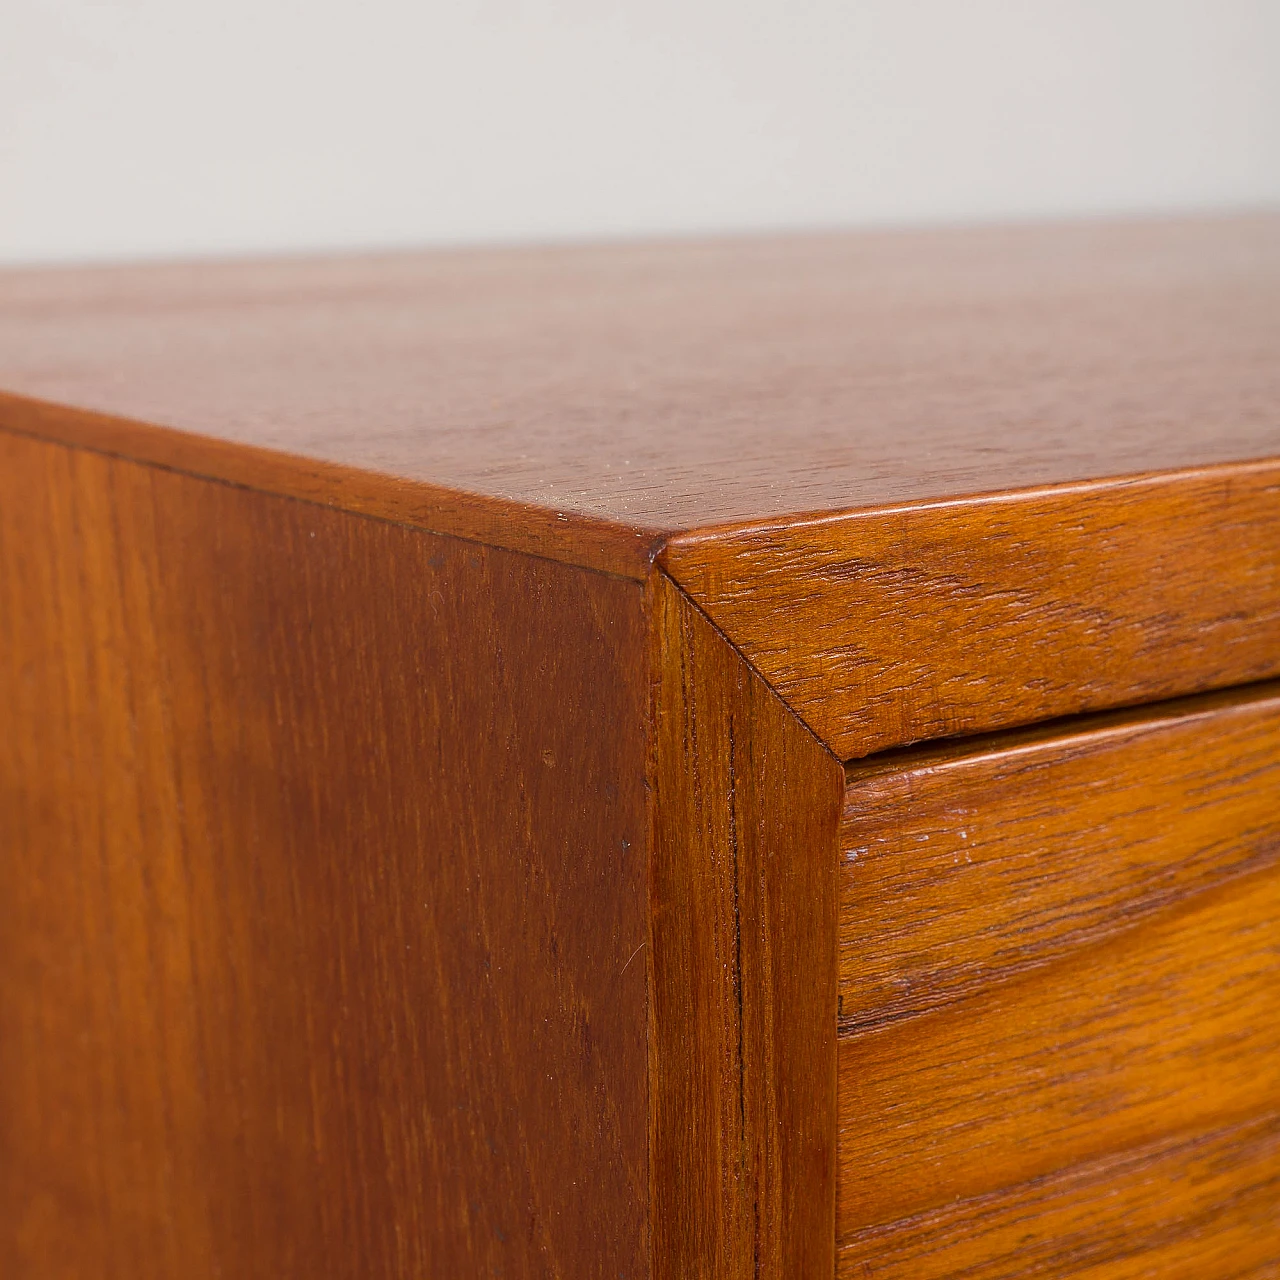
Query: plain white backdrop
[144,128]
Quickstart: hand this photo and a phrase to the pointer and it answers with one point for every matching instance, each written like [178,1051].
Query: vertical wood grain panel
[323,858]
[742,958]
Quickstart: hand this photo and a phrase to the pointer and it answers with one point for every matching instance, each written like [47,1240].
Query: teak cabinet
[747,758]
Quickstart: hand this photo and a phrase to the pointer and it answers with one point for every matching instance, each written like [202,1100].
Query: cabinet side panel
[743,968]
[323,861]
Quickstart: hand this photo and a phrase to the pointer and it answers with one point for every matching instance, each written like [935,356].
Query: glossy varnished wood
[1172,1026]
[890,627]
[742,963]
[1060,999]
[968,865]
[843,397]
[676,386]
[320,884]
[1184,1208]
[436,833]
[551,532]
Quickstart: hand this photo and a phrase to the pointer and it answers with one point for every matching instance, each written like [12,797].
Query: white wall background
[138,128]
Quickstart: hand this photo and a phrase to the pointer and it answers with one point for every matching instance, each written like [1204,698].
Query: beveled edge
[782,590]
[569,537]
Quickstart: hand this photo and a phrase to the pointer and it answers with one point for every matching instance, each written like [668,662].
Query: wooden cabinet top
[1040,464]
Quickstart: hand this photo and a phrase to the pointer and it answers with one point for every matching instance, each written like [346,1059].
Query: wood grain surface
[1060,1000]
[970,864]
[1172,1026]
[671,386]
[863,454]
[1185,1208]
[956,618]
[424,682]
[742,968]
[324,865]
[551,532]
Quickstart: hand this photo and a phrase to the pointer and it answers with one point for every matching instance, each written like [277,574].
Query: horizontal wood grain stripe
[567,536]
[969,864]
[1175,1024]
[1181,1209]
[885,627]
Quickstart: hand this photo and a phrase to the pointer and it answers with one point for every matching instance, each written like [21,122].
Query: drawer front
[1181,1209]
[1060,996]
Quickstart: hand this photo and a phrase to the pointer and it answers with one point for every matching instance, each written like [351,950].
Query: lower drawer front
[1065,1056]
[1187,1207]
